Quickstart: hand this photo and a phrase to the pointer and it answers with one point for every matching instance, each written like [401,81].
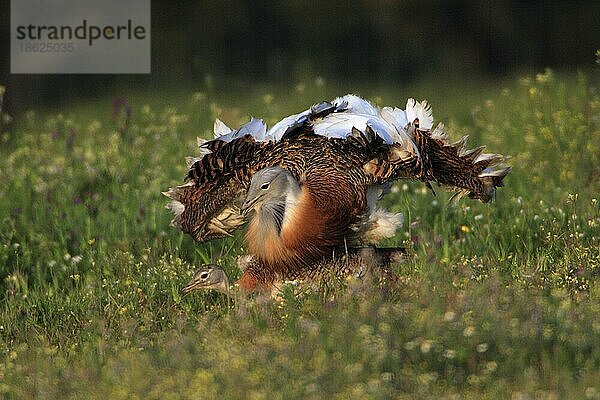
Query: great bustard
[357,263]
[313,181]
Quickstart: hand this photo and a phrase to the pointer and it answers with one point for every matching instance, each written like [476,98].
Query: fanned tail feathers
[372,146]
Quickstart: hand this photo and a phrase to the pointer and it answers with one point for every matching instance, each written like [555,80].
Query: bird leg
[384,257]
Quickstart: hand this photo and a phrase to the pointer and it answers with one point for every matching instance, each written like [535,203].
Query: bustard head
[270,188]
[209,276]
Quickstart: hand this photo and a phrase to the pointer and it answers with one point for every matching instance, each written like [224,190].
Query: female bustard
[356,262]
[310,184]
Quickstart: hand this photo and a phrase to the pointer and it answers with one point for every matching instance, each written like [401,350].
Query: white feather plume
[220,129]
[421,111]
[277,131]
[255,127]
[356,105]
[353,112]
[380,224]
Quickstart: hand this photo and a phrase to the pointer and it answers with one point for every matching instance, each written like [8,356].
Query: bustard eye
[265,185]
[204,275]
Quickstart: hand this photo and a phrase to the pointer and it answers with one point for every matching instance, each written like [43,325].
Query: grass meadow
[500,300]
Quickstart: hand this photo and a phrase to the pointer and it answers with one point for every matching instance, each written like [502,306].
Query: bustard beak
[189,287]
[248,205]
[194,284]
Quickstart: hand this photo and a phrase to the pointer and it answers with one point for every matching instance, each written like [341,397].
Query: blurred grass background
[500,301]
[381,43]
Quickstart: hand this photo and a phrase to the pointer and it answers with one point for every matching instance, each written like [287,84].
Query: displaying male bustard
[309,186]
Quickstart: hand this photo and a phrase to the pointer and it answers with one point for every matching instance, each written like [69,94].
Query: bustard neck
[272,214]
